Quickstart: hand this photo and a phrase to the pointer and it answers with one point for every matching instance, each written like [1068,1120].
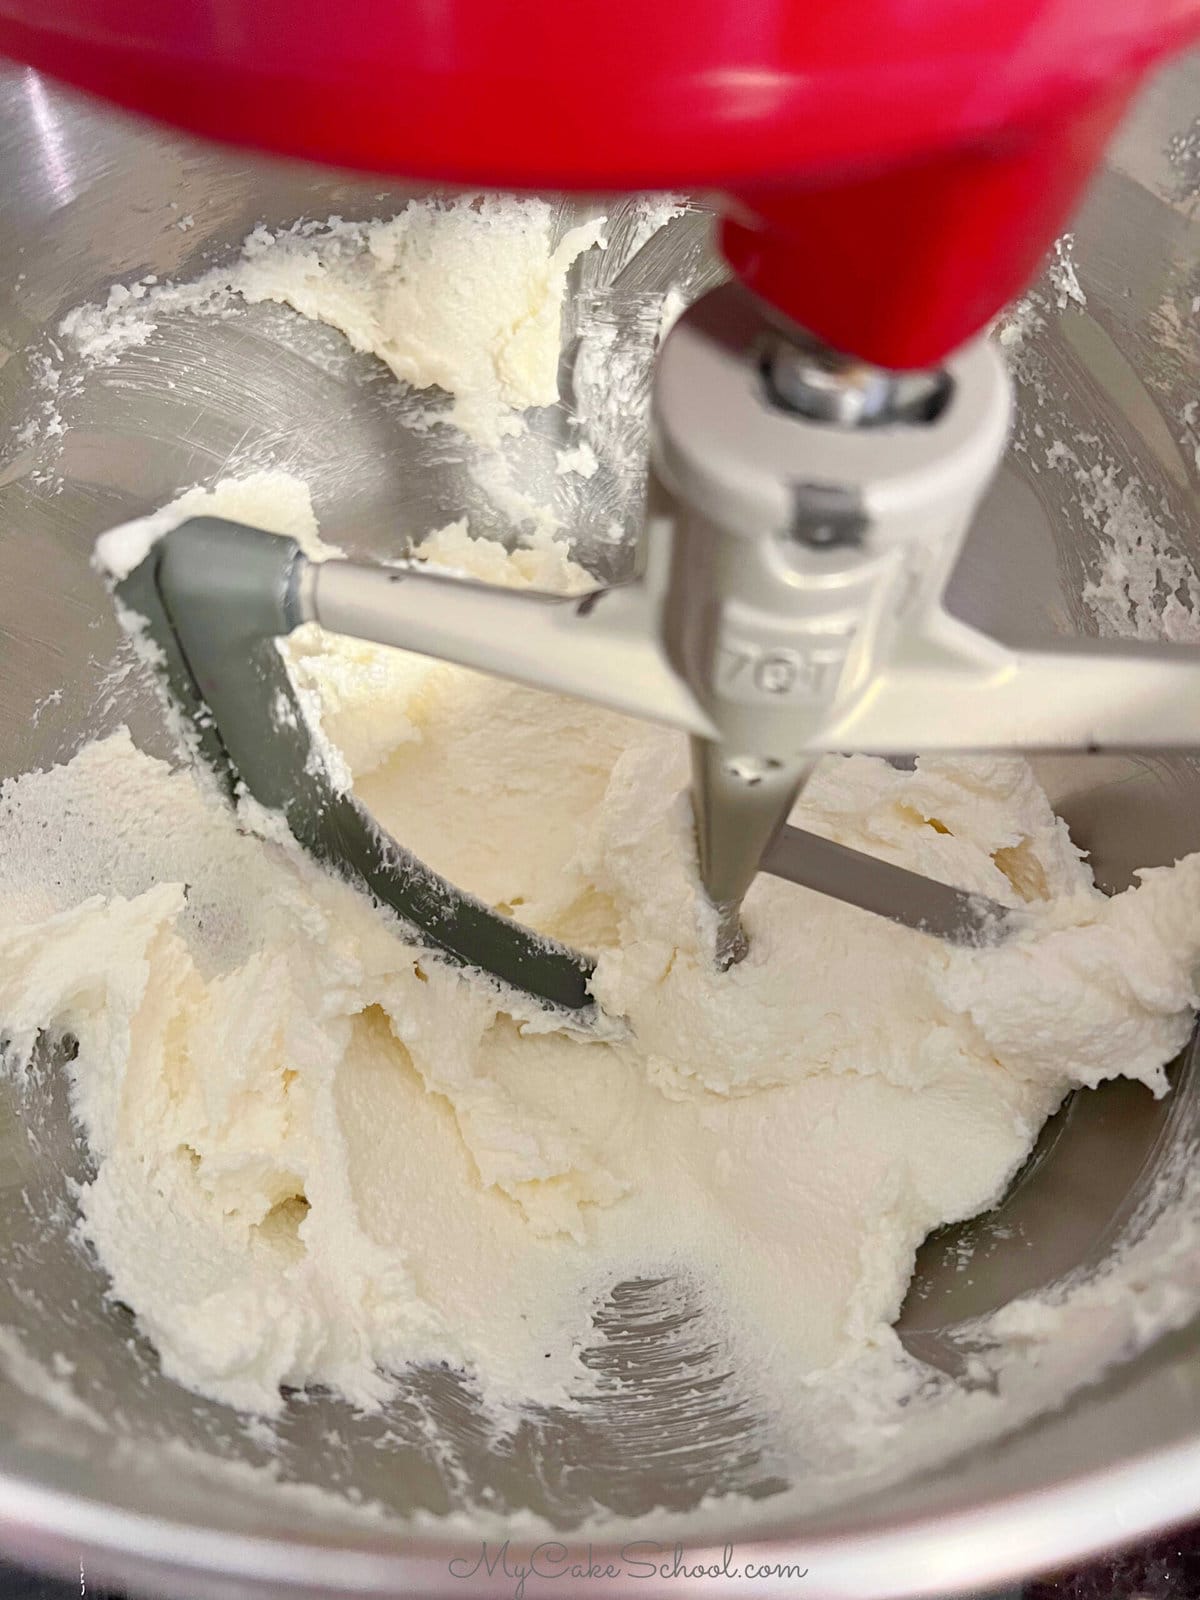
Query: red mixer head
[893,169]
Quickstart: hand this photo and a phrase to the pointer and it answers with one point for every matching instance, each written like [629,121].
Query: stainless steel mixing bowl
[102,1461]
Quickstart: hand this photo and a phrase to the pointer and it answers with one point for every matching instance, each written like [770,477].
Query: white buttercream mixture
[466,298]
[323,1155]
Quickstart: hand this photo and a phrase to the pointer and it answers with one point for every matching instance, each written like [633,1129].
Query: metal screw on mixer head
[824,385]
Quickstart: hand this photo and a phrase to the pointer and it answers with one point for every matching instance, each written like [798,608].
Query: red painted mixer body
[893,170]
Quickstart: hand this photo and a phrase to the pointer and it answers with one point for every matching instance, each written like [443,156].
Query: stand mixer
[820,436]
[1015,1535]
[808,490]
